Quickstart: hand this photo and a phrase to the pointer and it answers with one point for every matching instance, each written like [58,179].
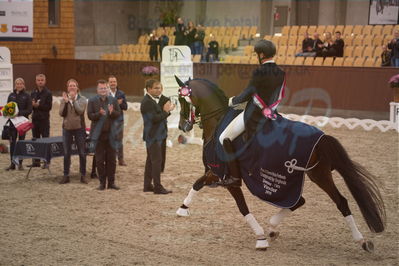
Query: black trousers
[155,163]
[105,162]
[13,140]
[41,129]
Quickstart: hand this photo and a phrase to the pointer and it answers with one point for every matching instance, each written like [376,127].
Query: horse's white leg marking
[261,241]
[355,231]
[187,201]
[276,219]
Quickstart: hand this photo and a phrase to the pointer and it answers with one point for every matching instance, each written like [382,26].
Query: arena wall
[45,37]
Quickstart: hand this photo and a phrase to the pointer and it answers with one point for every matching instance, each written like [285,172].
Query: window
[54,12]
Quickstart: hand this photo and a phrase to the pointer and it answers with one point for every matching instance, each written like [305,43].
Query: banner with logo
[16,20]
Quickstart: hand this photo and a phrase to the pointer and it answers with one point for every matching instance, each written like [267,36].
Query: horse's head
[187,112]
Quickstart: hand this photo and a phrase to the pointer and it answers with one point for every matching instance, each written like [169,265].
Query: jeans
[198,47]
[80,140]
[394,62]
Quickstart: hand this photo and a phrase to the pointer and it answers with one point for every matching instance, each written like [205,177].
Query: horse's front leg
[207,179]
[261,241]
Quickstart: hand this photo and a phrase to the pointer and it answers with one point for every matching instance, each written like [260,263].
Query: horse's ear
[181,83]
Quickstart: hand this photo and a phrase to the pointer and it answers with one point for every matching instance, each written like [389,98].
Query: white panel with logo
[6,78]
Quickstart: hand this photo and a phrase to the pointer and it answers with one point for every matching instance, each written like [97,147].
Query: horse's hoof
[274,235]
[368,246]
[183,212]
[262,244]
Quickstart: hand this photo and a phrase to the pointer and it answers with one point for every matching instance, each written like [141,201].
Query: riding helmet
[266,47]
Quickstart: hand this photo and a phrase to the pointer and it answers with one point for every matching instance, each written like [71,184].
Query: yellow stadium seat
[377,30]
[348,51]
[368,40]
[358,40]
[318,61]
[368,51]
[229,31]
[294,30]
[339,28]
[367,30]
[282,50]
[197,58]
[348,61]
[276,40]
[377,40]
[292,40]
[280,60]
[312,29]
[299,60]
[348,30]
[285,30]
[349,40]
[387,30]
[234,42]
[236,59]
[268,37]
[358,52]
[338,61]
[245,32]
[291,51]
[369,62]
[228,59]
[248,50]
[321,29]
[357,30]
[328,61]
[302,30]
[378,62]
[289,60]
[330,28]
[237,32]
[377,52]
[308,61]
[222,31]
[358,62]
[254,60]
[245,60]
[252,31]
[283,40]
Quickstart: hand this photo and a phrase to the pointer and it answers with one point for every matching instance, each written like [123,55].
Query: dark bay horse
[202,98]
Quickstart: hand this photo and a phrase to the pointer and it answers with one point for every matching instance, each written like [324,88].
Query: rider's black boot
[234,179]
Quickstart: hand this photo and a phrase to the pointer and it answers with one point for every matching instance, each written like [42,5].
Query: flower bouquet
[10,110]
[150,71]
[394,83]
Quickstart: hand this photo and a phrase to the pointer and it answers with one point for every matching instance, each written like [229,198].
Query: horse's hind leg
[261,241]
[206,179]
[321,175]
[276,219]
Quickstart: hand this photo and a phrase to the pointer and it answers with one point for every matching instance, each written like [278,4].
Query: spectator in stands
[119,95]
[42,102]
[179,32]
[338,45]
[24,103]
[72,109]
[307,46]
[385,57]
[103,111]
[317,44]
[153,42]
[163,41]
[327,49]
[213,50]
[190,35]
[394,46]
[199,40]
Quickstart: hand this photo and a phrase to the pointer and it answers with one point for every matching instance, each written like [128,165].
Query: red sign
[20,28]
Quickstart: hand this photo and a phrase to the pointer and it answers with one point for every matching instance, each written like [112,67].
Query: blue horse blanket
[271,160]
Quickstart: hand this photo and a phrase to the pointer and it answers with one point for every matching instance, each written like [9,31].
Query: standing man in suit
[155,108]
[263,94]
[42,102]
[103,110]
[121,98]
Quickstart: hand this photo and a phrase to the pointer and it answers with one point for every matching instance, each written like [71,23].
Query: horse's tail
[359,181]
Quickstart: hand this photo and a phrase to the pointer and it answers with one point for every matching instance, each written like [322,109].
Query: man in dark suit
[103,110]
[121,98]
[155,108]
[263,94]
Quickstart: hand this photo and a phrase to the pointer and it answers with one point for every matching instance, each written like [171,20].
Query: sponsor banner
[16,20]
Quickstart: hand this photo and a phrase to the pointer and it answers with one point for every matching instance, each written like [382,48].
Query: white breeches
[234,129]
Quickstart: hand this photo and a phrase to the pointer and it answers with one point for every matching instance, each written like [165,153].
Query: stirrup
[230,182]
